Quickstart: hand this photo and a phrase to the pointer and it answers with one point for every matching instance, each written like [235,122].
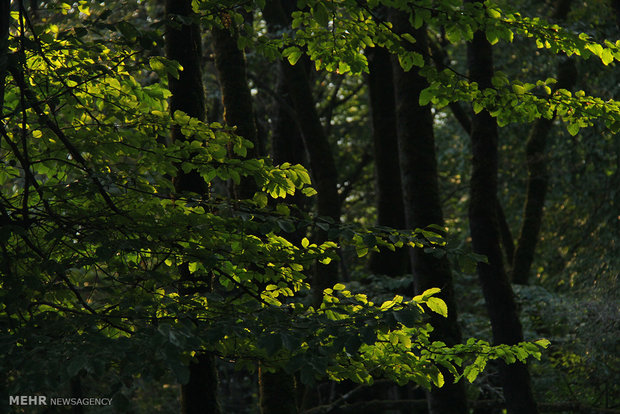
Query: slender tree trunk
[483,222]
[236,97]
[238,111]
[319,153]
[418,165]
[277,393]
[322,165]
[505,234]
[5,12]
[537,172]
[77,392]
[286,141]
[616,6]
[183,44]
[199,395]
[390,207]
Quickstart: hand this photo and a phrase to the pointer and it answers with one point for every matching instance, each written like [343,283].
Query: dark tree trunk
[616,6]
[5,13]
[505,234]
[238,111]
[286,141]
[236,97]
[483,222]
[537,174]
[322,165]
[77,391]
[287,144]
[390,208]
[418,165]
[277,393]
[199,395]
[536,191]
[183,44]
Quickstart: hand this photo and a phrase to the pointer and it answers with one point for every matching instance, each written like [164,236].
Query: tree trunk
[390,208]
[277,393]
[238,111]
[418,165]
[286,142]
[286,146]
[483,223]
[537,174]
[199,395]
[5,13]
[183,44]
[322,165]
[236,97]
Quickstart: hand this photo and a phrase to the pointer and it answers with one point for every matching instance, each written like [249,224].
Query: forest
[310,206]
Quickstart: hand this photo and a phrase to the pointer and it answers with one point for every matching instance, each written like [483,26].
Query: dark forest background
[202,202]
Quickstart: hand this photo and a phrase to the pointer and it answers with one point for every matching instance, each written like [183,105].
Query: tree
[418,165]
[390,207]
[485,234]
[538,176]
[320,156]
[184,45]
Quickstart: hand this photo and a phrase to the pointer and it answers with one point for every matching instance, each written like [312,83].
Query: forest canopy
[316,206]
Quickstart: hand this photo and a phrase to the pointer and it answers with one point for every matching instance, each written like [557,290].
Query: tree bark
[236,97]
[199,395]
[238,111]
[277,393]
[537,172]
[286,146]
[497,291]
[322,165]
[390,207]
[183,44]
[5,12]
[418,165]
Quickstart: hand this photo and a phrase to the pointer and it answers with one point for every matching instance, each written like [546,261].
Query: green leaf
[492,35]
[607,57]
[430,292]
[294,56]
[321,14]
[405,62]
[408,37]
[471,373]
[286,225]
[544,343]
[308,191]
[426,95]
[361,251]
[573,129]
[418,21]
[437,305]
[494,13]
[261,199]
